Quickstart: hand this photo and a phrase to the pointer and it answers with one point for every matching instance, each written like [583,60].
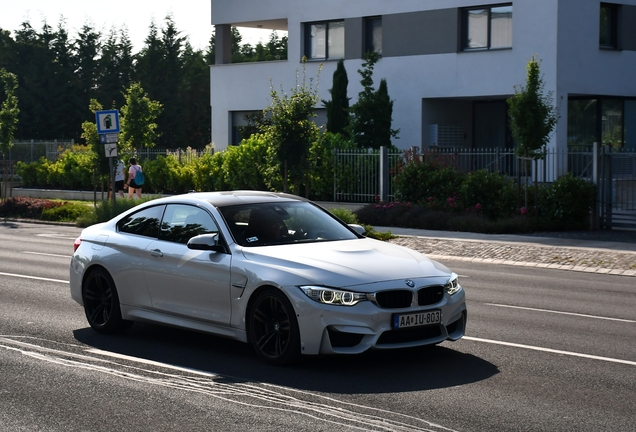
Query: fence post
[597,211]
[335,175]
[384,174]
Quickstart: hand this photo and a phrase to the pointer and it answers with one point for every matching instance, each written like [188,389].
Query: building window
[487,27]
[325,40]
[608,26]
[373,36]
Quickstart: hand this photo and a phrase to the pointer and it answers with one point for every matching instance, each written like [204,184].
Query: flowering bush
[436,196]
[26,207]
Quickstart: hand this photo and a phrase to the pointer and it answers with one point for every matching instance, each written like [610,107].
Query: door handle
[156,253]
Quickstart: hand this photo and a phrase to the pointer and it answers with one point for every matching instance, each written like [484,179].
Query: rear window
[144,222]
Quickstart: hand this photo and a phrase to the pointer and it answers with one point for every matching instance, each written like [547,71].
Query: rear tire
[273,328]
[101,303]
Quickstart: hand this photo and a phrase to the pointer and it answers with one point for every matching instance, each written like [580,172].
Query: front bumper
[326,329]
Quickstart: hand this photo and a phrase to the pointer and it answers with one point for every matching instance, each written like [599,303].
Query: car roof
[231,198]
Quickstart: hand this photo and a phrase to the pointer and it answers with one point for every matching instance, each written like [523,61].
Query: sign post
[108,130]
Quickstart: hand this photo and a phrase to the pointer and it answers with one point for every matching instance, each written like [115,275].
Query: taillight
[77,243]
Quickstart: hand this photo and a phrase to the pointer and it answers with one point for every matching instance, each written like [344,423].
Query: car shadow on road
[377,371]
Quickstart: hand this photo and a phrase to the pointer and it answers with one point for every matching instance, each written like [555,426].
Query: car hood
[348,262]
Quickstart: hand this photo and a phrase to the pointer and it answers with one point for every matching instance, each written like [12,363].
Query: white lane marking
[562,313]
[33,277]
[46,254]
[56,235]
[150,362]
[553,351]
[249,394]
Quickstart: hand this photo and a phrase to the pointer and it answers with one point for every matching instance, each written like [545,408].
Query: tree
[111,83]
[532,113]
[8,120]
[89,134]
[195,88]
[137,123]
[32,68]
[372,114]
[62,92]
[532,118]
[171,121]
[338,106]
[88,47]
[291,129]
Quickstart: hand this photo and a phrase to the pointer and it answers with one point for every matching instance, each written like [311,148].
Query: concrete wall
[420,65]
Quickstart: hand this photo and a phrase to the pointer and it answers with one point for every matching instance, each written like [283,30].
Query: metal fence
[34,150]
[617,188]
[359,174]
[554,163]
[362,175]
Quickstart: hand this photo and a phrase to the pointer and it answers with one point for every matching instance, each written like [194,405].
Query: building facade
[450,65]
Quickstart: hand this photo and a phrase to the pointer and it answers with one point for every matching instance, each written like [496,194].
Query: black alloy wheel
[101,303]
[273,328]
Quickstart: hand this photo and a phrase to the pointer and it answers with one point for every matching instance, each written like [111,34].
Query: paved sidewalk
[542,252]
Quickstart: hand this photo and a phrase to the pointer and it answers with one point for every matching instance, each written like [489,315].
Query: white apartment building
[450,65]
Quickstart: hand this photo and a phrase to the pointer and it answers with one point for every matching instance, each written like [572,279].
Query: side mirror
[207,242]
[358,228]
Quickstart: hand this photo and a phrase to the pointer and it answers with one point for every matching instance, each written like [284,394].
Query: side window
[373,35]
[182,222]
[325,40]
[608,26]
[487,28]
[144,223]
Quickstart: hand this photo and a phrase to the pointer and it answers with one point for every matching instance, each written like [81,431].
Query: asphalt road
[546,350]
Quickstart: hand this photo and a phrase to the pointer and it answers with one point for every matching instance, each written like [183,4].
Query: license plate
[417,319]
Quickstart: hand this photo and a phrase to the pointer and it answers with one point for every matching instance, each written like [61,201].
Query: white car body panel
[166,282]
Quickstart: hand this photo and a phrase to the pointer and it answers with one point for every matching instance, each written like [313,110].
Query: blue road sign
[107,121]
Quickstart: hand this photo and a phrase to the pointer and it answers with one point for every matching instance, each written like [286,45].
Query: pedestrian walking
[135,178]
[120,178]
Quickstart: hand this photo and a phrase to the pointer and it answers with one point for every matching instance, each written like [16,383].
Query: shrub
[418,180]
[26,207]
[67,212]
[345,215]
[321,164]
[244,165]
[489,194]
[566,204]
[165,174]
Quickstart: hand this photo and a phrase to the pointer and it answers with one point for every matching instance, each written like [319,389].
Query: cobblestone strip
[562,258]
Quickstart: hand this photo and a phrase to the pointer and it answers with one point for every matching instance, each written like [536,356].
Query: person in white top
[133,188]
[120,179]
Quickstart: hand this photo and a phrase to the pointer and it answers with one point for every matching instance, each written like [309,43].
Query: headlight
[452,286]
[332,296]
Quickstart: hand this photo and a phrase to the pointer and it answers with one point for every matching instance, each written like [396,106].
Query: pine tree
[338,106]
[87,68]
[372,114]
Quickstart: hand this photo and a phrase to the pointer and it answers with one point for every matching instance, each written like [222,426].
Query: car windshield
[267,224]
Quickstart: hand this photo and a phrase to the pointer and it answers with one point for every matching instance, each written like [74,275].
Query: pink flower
[477,206]
[377,206]
[524,210]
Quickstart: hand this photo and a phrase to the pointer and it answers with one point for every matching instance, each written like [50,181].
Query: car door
[184,282]
[130,256]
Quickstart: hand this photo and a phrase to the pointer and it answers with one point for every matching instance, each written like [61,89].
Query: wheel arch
[254,296]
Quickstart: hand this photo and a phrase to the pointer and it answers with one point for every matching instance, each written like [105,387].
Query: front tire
[101,303]
[273,328]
